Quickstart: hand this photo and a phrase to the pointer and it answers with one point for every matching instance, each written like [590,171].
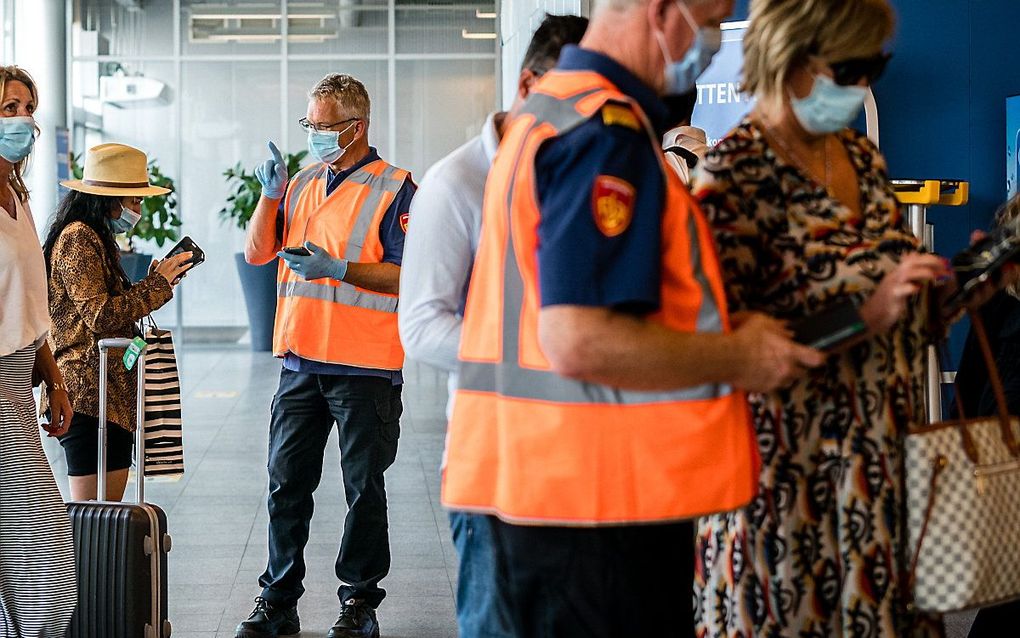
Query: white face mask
[829,107]
[325,145]
[681,75]
[128,220]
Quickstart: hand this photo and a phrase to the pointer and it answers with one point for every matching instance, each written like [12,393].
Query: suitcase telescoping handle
[104,350]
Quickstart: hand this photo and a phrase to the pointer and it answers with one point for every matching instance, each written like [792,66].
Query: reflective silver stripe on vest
[510,380]
[561,113]
[380,187]
[709,319]
[298,184]
[344,294]
[507,378]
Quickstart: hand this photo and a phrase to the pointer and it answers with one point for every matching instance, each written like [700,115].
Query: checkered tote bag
[164,443]
[963,505]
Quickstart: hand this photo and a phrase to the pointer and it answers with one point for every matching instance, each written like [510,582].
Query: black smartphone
[297,250]
[188,245]
[830,328]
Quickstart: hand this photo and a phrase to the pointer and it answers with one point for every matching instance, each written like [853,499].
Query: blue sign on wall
[1012,145]
[721,105]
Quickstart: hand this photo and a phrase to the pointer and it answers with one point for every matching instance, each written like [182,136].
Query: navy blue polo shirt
[391,235]
[579,263]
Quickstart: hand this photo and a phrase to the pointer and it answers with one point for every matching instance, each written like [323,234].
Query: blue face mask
[829,107]
[127,220]
[17,135]
[682,76]
[325,145]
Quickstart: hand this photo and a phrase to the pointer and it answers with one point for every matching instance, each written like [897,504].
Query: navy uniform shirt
[391,235]
[581,263]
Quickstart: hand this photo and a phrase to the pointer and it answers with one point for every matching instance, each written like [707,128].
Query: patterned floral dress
[820,550]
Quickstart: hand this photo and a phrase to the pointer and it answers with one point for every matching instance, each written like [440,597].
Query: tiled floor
[218,517]
[217,512]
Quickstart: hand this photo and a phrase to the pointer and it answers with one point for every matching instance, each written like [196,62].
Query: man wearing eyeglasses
[339,227]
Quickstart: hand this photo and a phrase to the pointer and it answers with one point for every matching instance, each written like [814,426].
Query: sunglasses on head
[852,71]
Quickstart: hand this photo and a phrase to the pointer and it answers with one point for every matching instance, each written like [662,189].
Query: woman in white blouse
[37,578]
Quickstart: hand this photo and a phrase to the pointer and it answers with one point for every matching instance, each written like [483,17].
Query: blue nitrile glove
[272,174]
[317,265]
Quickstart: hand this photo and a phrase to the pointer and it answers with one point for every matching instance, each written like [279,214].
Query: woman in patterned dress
[37,579]
[805,217]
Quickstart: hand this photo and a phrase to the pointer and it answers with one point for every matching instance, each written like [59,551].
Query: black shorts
[81,446]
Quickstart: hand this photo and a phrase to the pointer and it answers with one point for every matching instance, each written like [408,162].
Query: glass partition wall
[202,86]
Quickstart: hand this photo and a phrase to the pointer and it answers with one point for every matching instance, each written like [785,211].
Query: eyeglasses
[309,127]
[852,71]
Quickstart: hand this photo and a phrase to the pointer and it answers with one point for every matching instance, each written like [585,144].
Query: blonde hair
[348,92]
[783,33]
[1008,213]
[16,73]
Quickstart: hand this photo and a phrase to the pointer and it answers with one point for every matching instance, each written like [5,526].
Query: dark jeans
[367,411]
[604,582]
[481,612]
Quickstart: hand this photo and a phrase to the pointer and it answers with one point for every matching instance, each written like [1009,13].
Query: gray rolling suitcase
[120,548]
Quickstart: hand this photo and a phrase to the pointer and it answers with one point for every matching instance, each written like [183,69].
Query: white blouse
[24,311]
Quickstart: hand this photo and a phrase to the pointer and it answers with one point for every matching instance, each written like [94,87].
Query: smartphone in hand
[297,250]
[983,260]
[188,245]
[830,328]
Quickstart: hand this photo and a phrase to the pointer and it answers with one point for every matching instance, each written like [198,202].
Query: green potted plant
[257,282]
[159,221]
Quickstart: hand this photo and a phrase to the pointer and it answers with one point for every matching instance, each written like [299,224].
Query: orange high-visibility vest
[534,447]
[333,321]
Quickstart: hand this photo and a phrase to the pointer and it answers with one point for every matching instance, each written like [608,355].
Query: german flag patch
[612,202]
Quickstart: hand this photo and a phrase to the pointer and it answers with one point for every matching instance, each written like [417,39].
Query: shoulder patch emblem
[404,219]
[612,204]
[617,115]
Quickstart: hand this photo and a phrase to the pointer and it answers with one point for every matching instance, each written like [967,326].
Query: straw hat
[115,169]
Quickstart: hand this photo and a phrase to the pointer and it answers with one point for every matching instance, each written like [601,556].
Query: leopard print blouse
[84,309]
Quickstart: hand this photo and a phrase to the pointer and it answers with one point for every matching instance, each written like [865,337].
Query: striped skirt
[37,581]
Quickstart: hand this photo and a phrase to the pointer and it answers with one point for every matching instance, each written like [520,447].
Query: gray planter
[259,285]
[136,265]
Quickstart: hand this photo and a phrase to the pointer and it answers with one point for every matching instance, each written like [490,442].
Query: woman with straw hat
[37,580]
[91,298]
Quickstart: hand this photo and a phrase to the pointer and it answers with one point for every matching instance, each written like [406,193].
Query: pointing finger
[276,153]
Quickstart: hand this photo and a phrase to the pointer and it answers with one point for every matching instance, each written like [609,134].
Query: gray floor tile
[217,510]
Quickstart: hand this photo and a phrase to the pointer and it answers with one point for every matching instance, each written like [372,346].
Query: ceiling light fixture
[468,35]
[485,15]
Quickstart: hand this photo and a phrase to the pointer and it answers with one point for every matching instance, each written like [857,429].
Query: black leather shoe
[269,621]
[357,620]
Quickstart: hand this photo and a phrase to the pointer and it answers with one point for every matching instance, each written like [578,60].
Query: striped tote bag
[164,443]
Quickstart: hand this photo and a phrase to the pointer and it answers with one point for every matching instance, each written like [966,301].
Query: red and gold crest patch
[612,204]
[404,219]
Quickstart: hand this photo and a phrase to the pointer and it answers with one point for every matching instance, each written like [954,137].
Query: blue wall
[942,107]
[942,103]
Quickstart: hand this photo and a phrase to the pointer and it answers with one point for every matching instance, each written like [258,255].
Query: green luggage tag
[131,354]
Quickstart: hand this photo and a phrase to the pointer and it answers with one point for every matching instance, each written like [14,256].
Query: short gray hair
[348,92]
